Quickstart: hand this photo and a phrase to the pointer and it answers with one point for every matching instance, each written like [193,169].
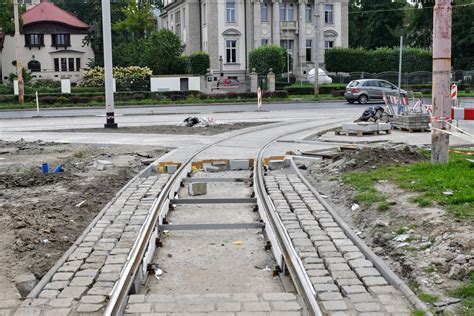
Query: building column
[276,22]
[257,23]
[301,35]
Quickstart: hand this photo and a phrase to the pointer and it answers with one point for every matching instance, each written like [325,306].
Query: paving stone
[229,307]
[202,307]
[374,281]
[352,289]
[366,272]
[386,289]
[388,299]
[354,255]
[344,275]
[367,307]
[111,268]
[49,294]
[286,306]
[257,306]
[96,259]
[87,273]
[88,308]
[312,260]
[341,282]
[279,296]
[314,266]
[108,277]
[60,302]
[28,311]
[321,280]
[321,288]
[92,265]
[99,290]
[343,242]
[62,276]
[159,298]
[82,281]
[58,312]
[56,285]
[317,273]
[360,263]
[95,299]
[245,297]
[73,292]
[333,268]
[330,306]
[284,313]
[4,304]
[347,249]
[330,296]
[331,260]
[397,309]
[361,297]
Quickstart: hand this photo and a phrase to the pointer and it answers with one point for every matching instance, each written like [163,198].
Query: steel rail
[121,289]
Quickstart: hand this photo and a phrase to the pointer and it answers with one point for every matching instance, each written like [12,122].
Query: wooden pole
[441,80]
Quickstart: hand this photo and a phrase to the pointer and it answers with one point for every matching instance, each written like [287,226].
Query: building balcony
[288,25]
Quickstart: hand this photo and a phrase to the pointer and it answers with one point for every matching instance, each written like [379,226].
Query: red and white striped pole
[454,94]
[259,98]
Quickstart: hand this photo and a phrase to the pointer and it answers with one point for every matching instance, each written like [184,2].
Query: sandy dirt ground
[438,254]
[173,129]
[42,215]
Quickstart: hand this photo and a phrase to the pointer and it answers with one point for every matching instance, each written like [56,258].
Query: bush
[176,97]
[131,78]
[47,100]
[267,56]
[62,100]
[6,89]
[300,90]
[45,83]
[199,62]
[378,60]
[276,94]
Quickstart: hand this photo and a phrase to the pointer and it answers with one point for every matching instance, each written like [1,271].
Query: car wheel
[351,101]
[363,99]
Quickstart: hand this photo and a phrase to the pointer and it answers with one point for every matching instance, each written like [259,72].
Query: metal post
[441,80]
[287,55]
[19,66]
[316,47]
[109,80]
[400,73]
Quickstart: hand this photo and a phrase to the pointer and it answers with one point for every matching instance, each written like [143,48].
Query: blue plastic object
[58,169]
[45,168]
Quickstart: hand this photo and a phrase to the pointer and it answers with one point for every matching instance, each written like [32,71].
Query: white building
[229,29]
[52,42]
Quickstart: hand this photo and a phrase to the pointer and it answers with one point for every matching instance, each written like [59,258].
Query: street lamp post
[19,66]
[109,81]
[316,47]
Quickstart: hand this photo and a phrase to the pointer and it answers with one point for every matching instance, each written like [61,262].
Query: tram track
[286,254]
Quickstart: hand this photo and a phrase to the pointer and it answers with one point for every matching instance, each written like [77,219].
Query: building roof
[49,12]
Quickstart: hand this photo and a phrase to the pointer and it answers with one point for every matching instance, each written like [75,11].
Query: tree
[268,56]
[7,25]
[463,37]
[138,21]
[375,23]
[163,53]
[199,62]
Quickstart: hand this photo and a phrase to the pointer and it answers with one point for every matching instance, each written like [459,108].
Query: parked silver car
[365,90]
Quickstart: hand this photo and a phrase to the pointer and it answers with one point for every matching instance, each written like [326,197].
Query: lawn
[450,186]
[466,294]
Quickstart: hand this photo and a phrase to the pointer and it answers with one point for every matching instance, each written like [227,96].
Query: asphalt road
[177,109]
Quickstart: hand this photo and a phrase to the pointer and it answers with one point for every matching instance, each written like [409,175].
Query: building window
[56,64]
[329,14]
[63,64]
[287,44]
[328,44]
[309,14]
[264,12]
[290,12]
[264,41]
[34,66]
[309,46]
[231,51]
[282,13]
[230,11]
[78,64]
[60,40]
[204,14]
[178,24]
[34,40]
[71,64]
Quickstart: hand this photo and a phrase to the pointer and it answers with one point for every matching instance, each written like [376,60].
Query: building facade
[229,29]
[53,45]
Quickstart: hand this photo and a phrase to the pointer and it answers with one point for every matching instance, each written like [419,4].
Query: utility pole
[19,66]
[317,4]
[109,79]
[441,80]
[400,73]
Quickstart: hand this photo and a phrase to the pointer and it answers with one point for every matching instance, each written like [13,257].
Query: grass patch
[383,206]
[418,312]
[421,201]
[466,294]
[429,269]
[430,181]
[428,298]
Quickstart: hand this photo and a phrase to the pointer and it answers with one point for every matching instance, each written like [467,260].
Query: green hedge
[334,89]
[376,61]
[199,62]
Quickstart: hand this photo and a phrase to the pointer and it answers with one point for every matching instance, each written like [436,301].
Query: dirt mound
[33,178]
[367,158]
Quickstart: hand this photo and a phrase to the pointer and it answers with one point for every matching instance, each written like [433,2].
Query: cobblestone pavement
[223,304]
[345,282]
[9,297]
[83,283]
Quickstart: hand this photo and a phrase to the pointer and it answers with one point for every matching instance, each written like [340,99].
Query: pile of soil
[173,129]
[42,215]
[428,248]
